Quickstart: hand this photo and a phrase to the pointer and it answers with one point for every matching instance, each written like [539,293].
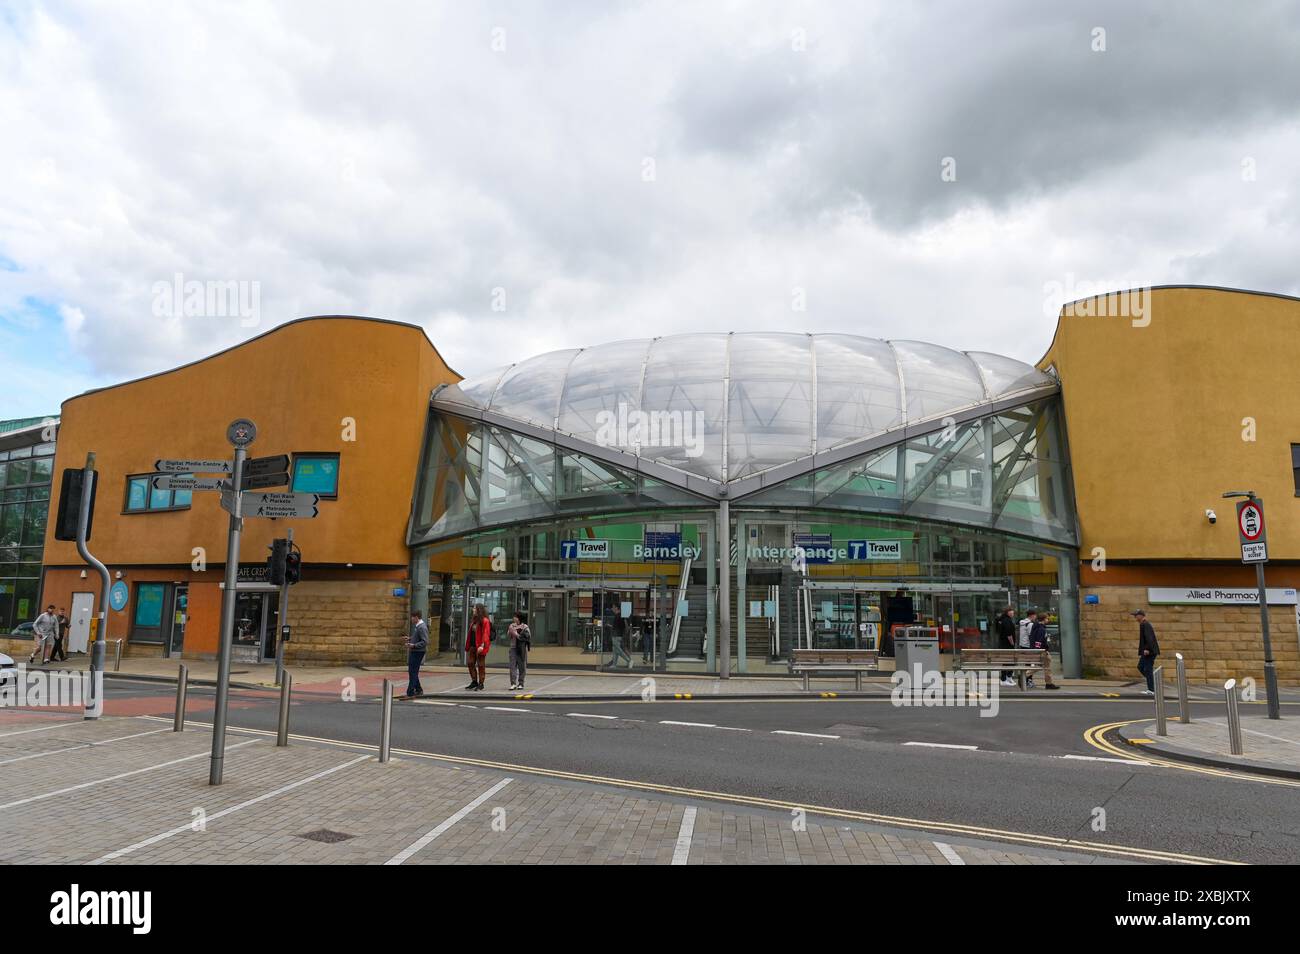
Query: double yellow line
[753,801]
[1096,737]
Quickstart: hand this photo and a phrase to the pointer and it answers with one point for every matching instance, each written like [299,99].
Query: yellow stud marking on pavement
[952,828]
[830,695]
[1141,741]
[682,695]
[1110,695]
[525,695]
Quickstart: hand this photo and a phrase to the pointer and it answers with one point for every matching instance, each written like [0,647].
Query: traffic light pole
[283,621]
[227,620]
[98,649]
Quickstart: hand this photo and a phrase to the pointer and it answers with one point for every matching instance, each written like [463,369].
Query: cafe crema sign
[1218,595]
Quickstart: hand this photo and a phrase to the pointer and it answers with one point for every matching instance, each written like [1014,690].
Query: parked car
[23,631]
[8,671]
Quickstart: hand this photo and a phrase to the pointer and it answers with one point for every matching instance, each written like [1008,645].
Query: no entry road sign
[1250,529]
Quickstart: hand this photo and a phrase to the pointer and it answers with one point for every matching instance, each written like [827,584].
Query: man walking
[43,632]
[521,638]
[61,638]
[417,644]
[1038,640]
[1004,628]
[1148,650]
[477,643]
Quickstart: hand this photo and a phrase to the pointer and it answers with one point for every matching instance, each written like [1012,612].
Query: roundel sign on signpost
[118,596]
[1250,521]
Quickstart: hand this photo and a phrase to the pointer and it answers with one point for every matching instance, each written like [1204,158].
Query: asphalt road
[885,760]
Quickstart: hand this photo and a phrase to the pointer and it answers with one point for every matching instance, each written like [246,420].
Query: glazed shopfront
[637,499]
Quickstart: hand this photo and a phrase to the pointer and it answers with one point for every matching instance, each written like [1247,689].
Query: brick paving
[149,803]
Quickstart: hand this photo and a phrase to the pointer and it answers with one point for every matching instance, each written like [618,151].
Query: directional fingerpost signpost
[242,484]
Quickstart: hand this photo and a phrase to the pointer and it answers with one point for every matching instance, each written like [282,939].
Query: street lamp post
[1270,670]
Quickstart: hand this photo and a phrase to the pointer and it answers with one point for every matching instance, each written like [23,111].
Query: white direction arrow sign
[190,483]
[280,504]
[192,466]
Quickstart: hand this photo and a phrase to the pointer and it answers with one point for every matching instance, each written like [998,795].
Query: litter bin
[916,646]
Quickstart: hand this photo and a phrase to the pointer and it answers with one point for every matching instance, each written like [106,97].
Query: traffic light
[69,515]
[293,567]
[277,561]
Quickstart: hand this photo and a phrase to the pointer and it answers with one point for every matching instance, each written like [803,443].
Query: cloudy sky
[518,177]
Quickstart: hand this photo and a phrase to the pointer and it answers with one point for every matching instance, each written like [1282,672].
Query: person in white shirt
[44,630]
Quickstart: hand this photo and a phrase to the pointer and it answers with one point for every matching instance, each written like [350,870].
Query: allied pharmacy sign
[1218,596]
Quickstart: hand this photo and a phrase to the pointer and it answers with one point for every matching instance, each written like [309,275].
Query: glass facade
[867,483]
[26,474]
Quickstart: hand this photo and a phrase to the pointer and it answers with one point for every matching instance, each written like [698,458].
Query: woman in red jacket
[477,643]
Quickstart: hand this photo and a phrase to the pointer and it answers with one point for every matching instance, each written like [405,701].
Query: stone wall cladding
[352,622]
[1217,642]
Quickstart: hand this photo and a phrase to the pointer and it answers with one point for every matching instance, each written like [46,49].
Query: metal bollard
[1234,717]
[182,688]
[117,657]
[386,722]
[286,690]
[1159,677]
[1184,709]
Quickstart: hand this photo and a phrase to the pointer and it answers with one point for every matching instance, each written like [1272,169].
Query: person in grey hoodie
[521,638]
[417,644]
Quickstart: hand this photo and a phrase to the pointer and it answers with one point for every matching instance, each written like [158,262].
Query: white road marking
[696,725]
[682,850]
[44,728]
[505,709]
[1102,758]
[948,852]
[411,849]
[114,778]
[430,702]
[944,745]
[590,715]
[81,745]
[731,728]
[807,735]
[189,826]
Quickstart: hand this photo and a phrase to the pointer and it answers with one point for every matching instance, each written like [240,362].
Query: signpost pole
[1270,670]
[240,434]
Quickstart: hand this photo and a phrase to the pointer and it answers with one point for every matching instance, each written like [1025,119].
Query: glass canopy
[727,407]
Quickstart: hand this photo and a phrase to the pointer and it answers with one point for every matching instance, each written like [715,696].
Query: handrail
[681,595]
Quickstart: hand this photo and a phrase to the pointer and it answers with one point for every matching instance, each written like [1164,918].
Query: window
[143,498]
[316,474]
[1295,466]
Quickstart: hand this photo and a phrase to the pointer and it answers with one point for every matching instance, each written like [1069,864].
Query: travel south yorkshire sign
[1218,596]
[584,549]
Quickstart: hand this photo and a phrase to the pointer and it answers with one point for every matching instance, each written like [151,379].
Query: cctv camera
[1211,516]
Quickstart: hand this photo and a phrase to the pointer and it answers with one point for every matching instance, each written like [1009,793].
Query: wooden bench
[856,661]
[1020,661]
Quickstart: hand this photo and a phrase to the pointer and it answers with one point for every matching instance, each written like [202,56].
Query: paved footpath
[131,791]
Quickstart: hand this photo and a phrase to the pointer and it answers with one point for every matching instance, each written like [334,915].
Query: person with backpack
[1038,640]
[478,640]
[521,640]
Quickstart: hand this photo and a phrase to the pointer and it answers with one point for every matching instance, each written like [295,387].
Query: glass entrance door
[546,617]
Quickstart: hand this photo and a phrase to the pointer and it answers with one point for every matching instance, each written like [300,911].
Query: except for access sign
[179,466]
[1250,528]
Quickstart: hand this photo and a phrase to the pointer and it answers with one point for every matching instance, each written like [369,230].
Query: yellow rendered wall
[1154,407]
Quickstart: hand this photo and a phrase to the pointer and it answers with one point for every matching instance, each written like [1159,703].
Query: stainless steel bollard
[1234,717]
[182,688]
[117,656]
[286,690]
[386,722]
[1159,677]
[1184,708]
